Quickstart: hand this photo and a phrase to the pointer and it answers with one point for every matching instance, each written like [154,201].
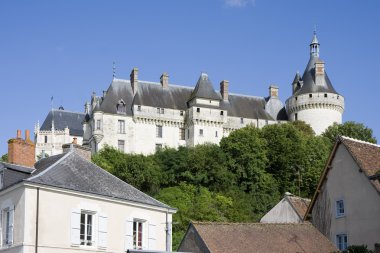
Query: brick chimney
[224,89]
[164,79]
[21,152]
[273,91]
[134,79]
[83,151]
[319,73]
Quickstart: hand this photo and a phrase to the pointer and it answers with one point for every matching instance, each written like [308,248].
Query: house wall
[361,221]
[55,217]
[283,212]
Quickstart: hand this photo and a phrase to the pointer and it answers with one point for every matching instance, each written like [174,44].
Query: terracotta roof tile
[259,237]
[299,204]
[367,156]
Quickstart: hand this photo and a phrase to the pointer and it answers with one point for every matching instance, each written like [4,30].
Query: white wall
[283,212]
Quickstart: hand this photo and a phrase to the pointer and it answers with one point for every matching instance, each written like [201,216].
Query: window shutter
[152,233]
[75,227]
[102,231]
[11,224]
[129,234]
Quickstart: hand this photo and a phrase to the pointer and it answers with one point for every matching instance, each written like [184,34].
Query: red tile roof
[260,237]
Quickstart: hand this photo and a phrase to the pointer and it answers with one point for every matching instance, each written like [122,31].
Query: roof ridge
[22,166]
[170,84]
[58,110]
[243,95]
[245,223]
[51,166]
[359,141]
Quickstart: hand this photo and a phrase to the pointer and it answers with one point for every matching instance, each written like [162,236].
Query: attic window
[121,107]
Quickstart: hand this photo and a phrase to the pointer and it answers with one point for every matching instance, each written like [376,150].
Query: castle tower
[314,99]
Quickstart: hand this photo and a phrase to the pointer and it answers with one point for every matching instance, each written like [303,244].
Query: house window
[221,113]
[138,234]
[158,146]
[98,124]
[120,145]
[341,241]
[182,133]
[339,208]
[120,107]
[121,127]
[181,113]
[46,138]
[139,108]
[198,109]
[86,229]
[7,226]
[159,131]
[200,132]
[241,120]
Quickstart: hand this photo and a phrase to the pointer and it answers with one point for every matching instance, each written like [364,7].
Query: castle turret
[314,99]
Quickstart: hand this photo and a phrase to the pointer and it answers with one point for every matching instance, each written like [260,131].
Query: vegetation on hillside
[236,181]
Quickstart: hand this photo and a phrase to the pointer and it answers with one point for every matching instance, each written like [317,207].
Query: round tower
[314,99]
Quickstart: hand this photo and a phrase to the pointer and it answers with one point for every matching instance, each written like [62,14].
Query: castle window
[181,113]
[340,208]
[121,108]
[121,127]
[158,146]
[200,132]
[139,108]
[216,133]
[325,95]
[295,116]
[46,138]
[198,109]
[162,111]
[188,133]
[158,110]
[98,124]
[241,120]
[221,112]
[337,97]
[182,133]
[159,131]
[310,95]
[296,98]
[121,145]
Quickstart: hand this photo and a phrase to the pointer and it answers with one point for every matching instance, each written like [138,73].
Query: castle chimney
[224,89]
[273,91]
[134,79]
[21,152]
[83,151]
[164,79]
[319,73]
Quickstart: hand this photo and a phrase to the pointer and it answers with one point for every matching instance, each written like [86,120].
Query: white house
[65,203]
[346,204]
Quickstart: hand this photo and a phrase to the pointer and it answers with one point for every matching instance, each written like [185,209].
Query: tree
[4,158]
[303,127]
[140,171]
[350,129]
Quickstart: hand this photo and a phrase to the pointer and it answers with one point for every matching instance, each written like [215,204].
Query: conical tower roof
[204,89]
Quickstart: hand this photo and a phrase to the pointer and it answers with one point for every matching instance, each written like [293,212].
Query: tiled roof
[73,172]
[366,155]
[259,237]
[299,204]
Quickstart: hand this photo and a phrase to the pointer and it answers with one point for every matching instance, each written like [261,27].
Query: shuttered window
[7,221]
[102,231]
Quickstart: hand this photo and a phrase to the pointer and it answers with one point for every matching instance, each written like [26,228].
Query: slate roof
[204,89]
[63,119]
[73,172]
[13,174]
[176,97]
[256,237]
[367,157]
[308,78]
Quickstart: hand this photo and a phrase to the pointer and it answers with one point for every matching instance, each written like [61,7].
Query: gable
[283,212]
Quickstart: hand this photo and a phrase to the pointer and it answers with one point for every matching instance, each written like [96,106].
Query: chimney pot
[18,134]
[27,135]
[224,89]
[21,152]
[273,91]
[134,79]
[75,140]
[164,79]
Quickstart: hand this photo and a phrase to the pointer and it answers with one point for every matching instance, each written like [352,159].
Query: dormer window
[121,107]
[198,109]
[310,95]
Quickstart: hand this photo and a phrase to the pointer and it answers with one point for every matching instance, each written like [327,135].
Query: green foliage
[140,171]
[39,157]
[357,249]
[194,203]
[350,129]
[4,158]
[303,127]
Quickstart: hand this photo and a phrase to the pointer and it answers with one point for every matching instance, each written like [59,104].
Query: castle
[138,116]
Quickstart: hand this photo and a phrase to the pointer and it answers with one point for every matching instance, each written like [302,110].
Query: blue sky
[66,48]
